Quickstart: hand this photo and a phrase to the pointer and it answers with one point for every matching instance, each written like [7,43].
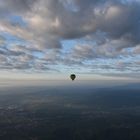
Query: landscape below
[70,112]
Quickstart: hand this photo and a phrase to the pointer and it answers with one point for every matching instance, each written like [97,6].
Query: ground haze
[64,110]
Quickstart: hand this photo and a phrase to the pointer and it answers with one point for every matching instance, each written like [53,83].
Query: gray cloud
[53,17]
[108,28]
[15,6]
[21,57]
[2,40]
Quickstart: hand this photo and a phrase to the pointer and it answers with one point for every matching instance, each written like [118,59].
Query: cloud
[23,58]
[106,49]
[136,50]
[51,18]
[2,40]
[102,29]
[15,6]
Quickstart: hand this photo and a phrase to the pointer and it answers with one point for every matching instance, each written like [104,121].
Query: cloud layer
[106,35]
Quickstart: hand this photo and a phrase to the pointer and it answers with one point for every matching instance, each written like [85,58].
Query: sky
[54,38]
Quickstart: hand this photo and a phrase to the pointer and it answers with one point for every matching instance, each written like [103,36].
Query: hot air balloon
[72,76]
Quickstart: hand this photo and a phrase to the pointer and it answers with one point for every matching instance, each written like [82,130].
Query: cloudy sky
[54,37]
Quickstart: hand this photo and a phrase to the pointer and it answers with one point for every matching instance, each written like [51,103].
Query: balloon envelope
[72,76]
